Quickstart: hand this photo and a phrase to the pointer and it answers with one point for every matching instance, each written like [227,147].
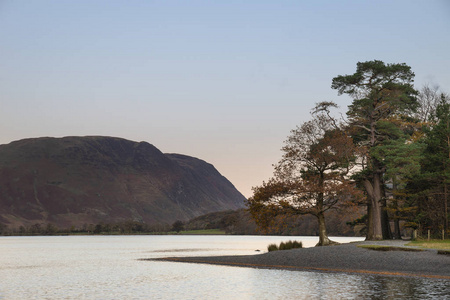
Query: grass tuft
[432,244]
[272,247]
[285,246]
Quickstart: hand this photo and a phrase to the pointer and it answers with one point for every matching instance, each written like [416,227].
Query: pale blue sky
[224,81]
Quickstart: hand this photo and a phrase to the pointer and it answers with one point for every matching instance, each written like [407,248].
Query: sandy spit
[346,258]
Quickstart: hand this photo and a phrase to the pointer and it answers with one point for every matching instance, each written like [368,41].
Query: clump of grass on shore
[285,246]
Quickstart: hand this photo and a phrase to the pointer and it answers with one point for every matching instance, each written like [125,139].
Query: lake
[109,267]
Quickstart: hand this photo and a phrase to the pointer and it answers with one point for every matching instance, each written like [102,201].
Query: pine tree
[381,94]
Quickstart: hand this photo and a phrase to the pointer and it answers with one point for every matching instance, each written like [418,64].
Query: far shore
[345,258]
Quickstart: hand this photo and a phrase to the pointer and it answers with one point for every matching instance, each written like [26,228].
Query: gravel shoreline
[346,258]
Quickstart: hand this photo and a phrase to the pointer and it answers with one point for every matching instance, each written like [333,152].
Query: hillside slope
[81,180]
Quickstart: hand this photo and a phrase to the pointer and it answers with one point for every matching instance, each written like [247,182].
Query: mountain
[73,181]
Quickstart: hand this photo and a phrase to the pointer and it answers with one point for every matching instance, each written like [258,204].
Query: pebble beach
[346,258]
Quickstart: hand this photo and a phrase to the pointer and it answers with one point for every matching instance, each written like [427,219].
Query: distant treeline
[126,227]
[339,223]
[236,222]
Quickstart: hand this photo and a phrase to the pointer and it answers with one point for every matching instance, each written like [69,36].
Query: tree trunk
[445,184]
[385,226]
[373,187]
[323,236]
[369,228]
[376,222]
[397,233]
[445,208]
[376,208]
[373,190]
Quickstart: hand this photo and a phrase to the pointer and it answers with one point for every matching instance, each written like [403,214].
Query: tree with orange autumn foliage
[312,176]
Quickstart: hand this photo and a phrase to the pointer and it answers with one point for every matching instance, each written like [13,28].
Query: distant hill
[73,181]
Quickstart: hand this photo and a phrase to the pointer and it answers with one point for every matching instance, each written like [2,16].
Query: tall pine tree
[381,92]
[435,178]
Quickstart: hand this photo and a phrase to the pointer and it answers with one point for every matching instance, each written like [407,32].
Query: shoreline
[342,258]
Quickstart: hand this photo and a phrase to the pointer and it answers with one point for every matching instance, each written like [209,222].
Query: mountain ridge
[73,180]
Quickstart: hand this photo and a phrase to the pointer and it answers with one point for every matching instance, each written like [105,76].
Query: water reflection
[314,285]
[109,267]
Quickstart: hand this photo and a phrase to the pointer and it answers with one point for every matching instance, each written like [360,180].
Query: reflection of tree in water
[349,286]
[385,287]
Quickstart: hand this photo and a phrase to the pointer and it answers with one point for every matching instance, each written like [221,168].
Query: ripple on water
[109,268]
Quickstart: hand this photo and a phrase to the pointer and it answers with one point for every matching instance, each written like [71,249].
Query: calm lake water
[108,267]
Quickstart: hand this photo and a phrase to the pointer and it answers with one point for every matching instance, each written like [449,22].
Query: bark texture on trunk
[373,190]
[323,236]
[446,207]
[369,231]
[397,233]
[385,225]
[373,187]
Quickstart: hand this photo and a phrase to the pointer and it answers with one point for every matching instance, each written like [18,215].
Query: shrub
[178,226]
[285,246]
[297,244]
[272,247]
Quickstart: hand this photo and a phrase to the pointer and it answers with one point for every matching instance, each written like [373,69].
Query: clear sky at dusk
[224,81]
